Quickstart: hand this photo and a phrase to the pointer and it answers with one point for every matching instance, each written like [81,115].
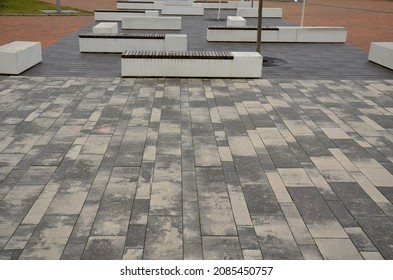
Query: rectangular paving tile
[221,248]
[131,149]
[316,213]
[356,200]
[104,248]
[295,177]
[331,169]
[337,249]
[50,238]
[206,151]
[164,238]
[379,229]
[191,223]
[115,209]
[275,238]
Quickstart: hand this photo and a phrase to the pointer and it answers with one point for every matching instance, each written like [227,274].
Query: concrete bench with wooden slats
[281,34]
[191,64]
[119,42]
[115,15]
[122,4]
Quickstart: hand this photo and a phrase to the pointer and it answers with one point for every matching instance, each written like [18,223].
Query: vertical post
[219,11]
[58,8]
[303,8]
[259,26]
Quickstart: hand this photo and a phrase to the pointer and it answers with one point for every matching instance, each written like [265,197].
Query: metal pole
[259,26]
[304,6]
[219,11]
[58,8]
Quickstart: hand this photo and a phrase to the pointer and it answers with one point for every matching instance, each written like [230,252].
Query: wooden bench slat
[241,27]
[178,54]
[123,35]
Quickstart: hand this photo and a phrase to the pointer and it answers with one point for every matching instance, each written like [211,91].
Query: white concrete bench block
[175,42]
[245,4]
[178,2]
[106,27]
[243,65]
[236,21]
[116,15]
[152,13]
[321,34]
[152,23]
[168,42]
[19,56]
[284,34]
[266,12]
[183,10]
[382,53]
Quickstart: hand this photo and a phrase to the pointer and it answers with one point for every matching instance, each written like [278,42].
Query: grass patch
[30,7]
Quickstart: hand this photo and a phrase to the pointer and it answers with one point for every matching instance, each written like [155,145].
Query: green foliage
[29,7]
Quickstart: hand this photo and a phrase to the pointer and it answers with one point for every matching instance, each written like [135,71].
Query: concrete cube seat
[382,53]
[106,27]
[19,56]
[236,21]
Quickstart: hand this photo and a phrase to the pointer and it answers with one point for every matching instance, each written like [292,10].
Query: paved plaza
[296,165]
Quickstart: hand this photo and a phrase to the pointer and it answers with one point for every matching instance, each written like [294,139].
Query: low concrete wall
[284,34]
[382,53]
[266,12]
[19,56]
[242,65]
[117,43]
[152,23]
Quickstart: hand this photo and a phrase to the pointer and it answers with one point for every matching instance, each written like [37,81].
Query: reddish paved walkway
[363,26]
[46,29]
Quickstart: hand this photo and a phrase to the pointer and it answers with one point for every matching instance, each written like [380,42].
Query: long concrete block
[128,5]
[242,65]
[183,10]
[284,34]
[116,15]
[152,23]
[266,12]
[382,53]
[19,56]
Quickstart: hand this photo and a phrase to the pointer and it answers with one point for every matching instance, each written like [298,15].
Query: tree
[259,26]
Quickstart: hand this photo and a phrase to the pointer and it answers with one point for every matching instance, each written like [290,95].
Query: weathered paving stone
[275,238]
[85,168]
[337,249]
[260,200]
[191,223]
[164,238]
[115,209]
[379,229]
[248,238]
[360,239]
[136,236]
[316,214]
[37,175]
[221,248]
[131,149]
[356,200]
[193,251]
[104,248]
[50,238]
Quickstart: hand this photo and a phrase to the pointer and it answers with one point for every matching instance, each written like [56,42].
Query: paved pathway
[195,168]
[297,165]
